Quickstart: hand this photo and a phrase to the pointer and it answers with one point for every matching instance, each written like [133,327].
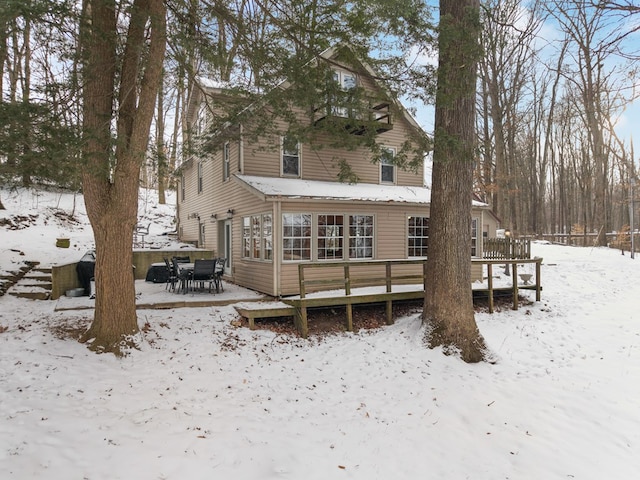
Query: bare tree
[128,77]
[448,307]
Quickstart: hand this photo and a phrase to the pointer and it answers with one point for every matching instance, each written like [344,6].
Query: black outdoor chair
[218,271]
[172,279]
[182,276]
[203,271]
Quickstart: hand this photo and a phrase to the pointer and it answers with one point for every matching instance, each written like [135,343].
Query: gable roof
[209,87]
[274,188]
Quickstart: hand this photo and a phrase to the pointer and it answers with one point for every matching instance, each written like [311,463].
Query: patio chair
[182,276]
[172,279]
[139,233]
[218,271]
[203,271]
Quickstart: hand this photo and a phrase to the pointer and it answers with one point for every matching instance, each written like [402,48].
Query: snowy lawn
[203,399]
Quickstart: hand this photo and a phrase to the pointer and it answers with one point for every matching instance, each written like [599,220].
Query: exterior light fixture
[230,213]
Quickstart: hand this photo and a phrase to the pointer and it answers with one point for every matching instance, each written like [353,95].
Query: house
[266,204]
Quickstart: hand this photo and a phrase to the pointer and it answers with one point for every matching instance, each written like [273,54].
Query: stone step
[30,283]
[33,295]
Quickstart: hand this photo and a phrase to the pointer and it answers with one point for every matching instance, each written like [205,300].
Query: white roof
[295,188]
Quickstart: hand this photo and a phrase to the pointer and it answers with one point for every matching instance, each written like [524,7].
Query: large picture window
[290,156]
[296,236]
[418,236]
[360,236]
[330,237]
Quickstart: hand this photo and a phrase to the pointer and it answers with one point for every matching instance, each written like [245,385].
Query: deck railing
[506,248]
[380,273]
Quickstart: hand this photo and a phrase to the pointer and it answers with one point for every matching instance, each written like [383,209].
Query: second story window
[225,161]
[290,156]
[346,82]
[183,189]
[387,166]
[200,177]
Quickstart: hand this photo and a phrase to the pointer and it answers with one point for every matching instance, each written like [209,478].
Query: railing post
[301,315]
[514,278]
[490,285]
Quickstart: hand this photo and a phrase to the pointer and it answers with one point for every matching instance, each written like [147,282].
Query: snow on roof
[315,189]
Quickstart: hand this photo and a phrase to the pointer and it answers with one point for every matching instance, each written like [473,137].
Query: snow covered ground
[204,399]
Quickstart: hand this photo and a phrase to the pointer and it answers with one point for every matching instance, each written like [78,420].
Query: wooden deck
[385,288]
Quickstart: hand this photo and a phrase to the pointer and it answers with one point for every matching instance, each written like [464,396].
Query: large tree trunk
[110,174]
[448,306]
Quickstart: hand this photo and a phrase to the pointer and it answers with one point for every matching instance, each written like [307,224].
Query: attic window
[346,80]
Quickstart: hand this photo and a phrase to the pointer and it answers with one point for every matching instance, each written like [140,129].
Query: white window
[200,177]
[246,237]
[225,161]
[360,236]
[183,189]
[257,237]
[290,156]
[474,237]
[387,165]
[330,237]
[417,236]
[346,82]
[267,237]
[296,236]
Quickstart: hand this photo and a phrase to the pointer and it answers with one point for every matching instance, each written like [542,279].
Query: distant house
[266,209]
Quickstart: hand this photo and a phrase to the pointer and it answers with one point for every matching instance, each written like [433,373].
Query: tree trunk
[448,306]
[111,173]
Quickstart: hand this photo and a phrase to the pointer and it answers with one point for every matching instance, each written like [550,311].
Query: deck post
[301,314]
[347,291]
[490,285]
[538,263]
[514,279]
[389,307]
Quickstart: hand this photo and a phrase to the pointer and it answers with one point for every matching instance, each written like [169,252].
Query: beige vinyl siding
[319,161]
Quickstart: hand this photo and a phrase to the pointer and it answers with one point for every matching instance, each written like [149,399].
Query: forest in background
[554,80]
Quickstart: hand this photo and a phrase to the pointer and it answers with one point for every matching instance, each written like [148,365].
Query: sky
[205,398]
